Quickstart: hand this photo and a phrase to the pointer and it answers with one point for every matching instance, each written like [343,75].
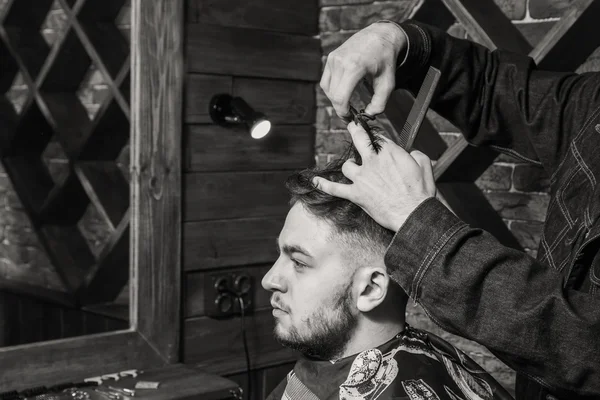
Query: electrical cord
[244,339]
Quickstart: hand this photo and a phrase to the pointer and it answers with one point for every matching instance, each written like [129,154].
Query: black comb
[419,109]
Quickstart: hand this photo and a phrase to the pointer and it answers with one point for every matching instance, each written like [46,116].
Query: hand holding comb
[412,124]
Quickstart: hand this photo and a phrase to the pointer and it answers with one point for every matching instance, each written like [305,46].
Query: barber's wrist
[400,216]
[403,42]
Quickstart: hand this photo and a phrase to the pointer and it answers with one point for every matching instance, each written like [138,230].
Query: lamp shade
[226,110]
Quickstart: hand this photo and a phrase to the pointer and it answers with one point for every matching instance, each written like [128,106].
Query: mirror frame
[153,339]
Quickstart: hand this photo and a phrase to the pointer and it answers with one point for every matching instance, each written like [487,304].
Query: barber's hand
[370,52]
[388,185]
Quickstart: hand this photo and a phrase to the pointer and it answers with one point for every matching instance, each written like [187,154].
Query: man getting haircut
[334,302]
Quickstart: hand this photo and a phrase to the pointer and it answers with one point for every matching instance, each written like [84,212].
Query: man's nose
[272,280]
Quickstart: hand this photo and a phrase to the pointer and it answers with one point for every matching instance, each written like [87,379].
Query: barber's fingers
[350,169]
[333,188]
[424,163]
[325,78]
[383,86]
[361,140]
[341,87]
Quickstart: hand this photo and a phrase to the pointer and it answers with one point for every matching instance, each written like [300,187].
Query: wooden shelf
[499,31]
[109,43]
[107,188]
[29,134]
[69,119]
[107,135]
[106,280]
[571,40]
[31,180]
[69,251]
[66,202]
[22,24]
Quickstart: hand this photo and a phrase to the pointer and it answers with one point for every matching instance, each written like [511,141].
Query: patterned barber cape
[414,365]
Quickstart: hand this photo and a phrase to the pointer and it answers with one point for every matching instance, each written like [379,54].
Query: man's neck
[370,334]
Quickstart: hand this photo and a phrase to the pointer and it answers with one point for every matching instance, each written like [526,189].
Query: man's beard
[327,336]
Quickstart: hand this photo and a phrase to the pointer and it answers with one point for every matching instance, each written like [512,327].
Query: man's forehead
[304,229]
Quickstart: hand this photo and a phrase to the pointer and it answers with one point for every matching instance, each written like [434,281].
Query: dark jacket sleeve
[466,281]
[499,98]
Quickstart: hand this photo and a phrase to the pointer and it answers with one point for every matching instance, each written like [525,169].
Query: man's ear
[372,285]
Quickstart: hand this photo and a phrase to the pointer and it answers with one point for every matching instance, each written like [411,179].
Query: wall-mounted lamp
[227,110]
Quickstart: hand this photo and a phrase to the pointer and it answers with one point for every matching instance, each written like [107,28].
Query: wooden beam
[222,195]
[222,243]
[499,31]
[571,40]
[251,52]
[157,75]
[434,12]
[463,162]
[215,148]
[290,16]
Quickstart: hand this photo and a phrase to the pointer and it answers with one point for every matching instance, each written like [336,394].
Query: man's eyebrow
[292,248]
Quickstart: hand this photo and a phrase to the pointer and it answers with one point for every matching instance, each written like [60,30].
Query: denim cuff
[417,243]
[418,53]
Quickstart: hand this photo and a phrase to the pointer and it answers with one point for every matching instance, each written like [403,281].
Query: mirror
[64,168]
[142,107]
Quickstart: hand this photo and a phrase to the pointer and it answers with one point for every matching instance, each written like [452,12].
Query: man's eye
[298,265]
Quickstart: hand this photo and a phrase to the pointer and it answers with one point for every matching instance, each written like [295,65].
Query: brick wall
[21,256]
[517,191]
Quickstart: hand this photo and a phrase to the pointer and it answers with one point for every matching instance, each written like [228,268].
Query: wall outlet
[223,290]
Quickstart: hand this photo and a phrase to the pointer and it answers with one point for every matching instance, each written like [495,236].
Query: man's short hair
[348,219]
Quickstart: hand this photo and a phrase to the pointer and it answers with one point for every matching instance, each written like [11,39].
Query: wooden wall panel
[291,16]
[199,89]
[216,345]
[234,195]
[234,198]
[194,296]
[284,102]
[216,148]
[221,243]
[251,52]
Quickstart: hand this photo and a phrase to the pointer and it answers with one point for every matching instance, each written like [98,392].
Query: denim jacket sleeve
[499,98]
[466,281]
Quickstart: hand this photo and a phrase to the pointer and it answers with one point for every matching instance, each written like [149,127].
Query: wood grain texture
[216,148]
[499,31]
[250,52]
[571,40]
[222,243]
[181,382]
[222,195]
[157,81]
[216,345]
[199,90]
[194,290]
[283,15]
[282,101]
[73,359]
